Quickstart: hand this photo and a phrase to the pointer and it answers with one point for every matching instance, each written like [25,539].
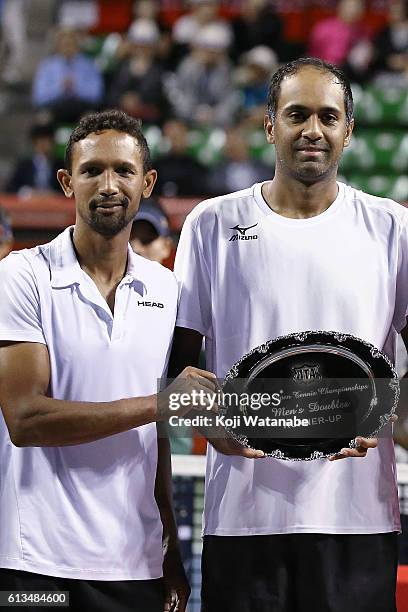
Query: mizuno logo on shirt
[242,233]
[151,304]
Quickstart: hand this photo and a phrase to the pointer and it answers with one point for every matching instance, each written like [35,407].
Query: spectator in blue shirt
[67,83]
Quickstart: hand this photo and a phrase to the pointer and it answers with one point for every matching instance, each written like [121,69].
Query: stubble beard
[309,172]
[108,225]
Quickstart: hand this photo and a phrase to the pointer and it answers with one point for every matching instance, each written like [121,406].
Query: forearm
[44,421]
[164,491]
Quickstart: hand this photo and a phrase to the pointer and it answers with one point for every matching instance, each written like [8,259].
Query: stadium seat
[373,150]
[206,145]
[154,138]
[260,149]
[381,107]
[62,134]
[384,186]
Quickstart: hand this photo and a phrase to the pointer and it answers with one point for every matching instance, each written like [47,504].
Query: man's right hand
[182,395]
[228,446]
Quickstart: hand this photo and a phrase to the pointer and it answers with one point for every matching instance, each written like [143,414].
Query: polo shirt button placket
[117,320]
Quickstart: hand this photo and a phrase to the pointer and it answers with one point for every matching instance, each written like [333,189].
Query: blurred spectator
[6,234]
[252,78]
[201,90]
[344,39]
[202,13]
[78,14]
[13,43]
[150,9]
[150,233]
[146,9]
[391,47]
[237,170]
[38,171]
[137,88]
[68,83]
[258,24]
[178,174]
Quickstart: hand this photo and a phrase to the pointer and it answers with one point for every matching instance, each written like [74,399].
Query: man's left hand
[363,444]
[177,588]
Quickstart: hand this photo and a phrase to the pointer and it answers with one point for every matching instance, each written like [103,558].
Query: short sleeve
[401,300]
[193,275]
[20,315]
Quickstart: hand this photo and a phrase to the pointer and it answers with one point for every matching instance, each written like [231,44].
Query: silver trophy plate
[307,395]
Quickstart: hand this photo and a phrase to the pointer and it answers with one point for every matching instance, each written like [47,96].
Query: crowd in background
[200,70]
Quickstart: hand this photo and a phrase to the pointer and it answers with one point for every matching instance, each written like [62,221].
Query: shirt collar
[66,271]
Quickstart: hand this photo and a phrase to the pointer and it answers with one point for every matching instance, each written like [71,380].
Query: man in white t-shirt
[85,331]
[299,252]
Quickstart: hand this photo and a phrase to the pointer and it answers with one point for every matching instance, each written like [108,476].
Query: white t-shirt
[249,275]
[85,511]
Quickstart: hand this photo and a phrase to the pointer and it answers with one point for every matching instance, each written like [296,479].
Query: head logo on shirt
[150,304]
[242,233]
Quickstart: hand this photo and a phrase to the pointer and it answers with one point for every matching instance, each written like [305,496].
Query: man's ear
[269,131]
[349,132]
[149,180]
[65,180]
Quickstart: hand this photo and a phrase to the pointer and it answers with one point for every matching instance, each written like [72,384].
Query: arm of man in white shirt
[177,589]
[186,350]
[400,433]
[34,418]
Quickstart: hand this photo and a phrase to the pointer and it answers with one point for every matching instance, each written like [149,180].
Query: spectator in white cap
[252,78]
[201,14]
[201,91]
[150,9]
[137,88]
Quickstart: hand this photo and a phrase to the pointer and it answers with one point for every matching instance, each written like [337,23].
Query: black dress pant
[300,573]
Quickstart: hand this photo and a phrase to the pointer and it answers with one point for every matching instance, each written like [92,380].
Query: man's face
[67,43]
[107,181]
[310,130]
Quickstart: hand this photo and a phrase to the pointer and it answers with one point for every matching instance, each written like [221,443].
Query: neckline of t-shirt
[327,214]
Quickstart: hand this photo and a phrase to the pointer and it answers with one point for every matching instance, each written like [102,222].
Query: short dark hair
[292,68]
[109,120]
